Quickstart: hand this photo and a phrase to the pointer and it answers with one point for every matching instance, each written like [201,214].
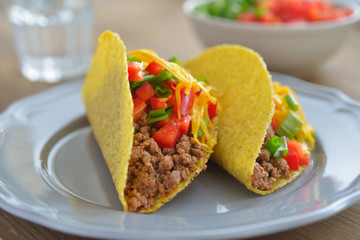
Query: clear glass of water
[53,38]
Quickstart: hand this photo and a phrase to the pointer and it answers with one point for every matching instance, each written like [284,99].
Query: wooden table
[161,25]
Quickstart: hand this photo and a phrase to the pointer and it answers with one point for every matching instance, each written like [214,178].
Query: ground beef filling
[267,169]
[152,170]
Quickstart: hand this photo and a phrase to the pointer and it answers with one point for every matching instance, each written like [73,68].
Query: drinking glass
[52,38]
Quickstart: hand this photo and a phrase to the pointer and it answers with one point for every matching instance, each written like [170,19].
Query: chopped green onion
[157,119]
[175,60]
[162,91]
[291,102]
[133,59]
[200,131]
[202,79]
[277,146]
[313,136]
[156,113]
[273,144]
[226,8]
[149,78]
[160,114]
[163,76]
[283,149]
[290,126]
[157,81]
[134,85]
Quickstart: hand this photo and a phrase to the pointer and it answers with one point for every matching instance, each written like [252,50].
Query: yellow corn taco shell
[245,92]
[108,102]
[109,108]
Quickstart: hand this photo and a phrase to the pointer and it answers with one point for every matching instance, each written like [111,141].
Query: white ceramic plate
[52,173]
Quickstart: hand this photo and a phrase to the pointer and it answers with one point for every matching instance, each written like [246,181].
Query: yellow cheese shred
[199,110]
[305,134]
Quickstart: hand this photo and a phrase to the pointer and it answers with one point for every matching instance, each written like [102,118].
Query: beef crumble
[154,171]
[267,169]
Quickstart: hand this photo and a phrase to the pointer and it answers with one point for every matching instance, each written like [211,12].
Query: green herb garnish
[290,126]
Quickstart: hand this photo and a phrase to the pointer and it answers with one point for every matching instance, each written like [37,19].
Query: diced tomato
[269,17]
[274,123]
[154,68]
[171,84]
[173,118]
[135,71]
[158,103]
[246,17]
[187,101]
[167,136]
[161,123]
[145,91]
[304,161]
[172,100]
[292,160]
[212,109]
[139,108]
[294,11]
[297,148]
[288,10]
[184,124]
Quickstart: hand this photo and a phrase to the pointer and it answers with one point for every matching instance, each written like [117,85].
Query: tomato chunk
[296,147]
[184,124]
[292,160]
[187,101]
[170,84]
[167,136]
[212,109]
[172,100]
[246,17]
[135,71]
[303,160]
[158,103]
[274,123]
[173,118]
[145,91]
[154,68]
[139,108]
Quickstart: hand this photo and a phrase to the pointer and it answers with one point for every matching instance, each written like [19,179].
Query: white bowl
[289,49]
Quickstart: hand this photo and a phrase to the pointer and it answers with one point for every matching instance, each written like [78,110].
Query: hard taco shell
[244,90]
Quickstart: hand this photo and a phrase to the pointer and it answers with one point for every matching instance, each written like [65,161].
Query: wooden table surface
[160,25]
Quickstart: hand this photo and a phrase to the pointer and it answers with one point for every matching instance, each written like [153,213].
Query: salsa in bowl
[291,47]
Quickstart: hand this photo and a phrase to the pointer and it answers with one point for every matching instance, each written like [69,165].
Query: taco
[154,123]
[264,140]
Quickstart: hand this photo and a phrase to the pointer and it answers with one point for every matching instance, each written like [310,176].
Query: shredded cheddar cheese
[199,110]
[305,134]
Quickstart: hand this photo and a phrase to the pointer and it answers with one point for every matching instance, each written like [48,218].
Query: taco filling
[169,138]
[288,141]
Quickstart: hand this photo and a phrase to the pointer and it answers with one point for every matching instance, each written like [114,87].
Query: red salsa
[275,11]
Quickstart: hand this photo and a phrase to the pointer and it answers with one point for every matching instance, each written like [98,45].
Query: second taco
[264,140]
